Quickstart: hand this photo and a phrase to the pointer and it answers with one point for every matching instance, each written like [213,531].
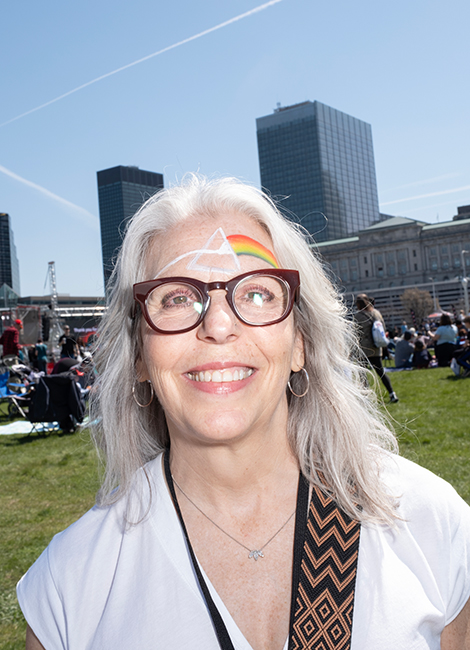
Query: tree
[417,302]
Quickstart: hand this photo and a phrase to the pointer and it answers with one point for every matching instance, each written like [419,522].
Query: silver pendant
[256,554]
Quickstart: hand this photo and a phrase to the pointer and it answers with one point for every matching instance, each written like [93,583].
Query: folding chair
[57,398]
[16,401]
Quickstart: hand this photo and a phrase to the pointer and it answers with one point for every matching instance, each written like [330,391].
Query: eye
[180,297]
[256,294]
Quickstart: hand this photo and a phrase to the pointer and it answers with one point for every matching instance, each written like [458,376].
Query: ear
[298,356]
[141,370]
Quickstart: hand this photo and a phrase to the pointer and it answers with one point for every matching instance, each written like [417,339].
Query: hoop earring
[151,395]
[308,384]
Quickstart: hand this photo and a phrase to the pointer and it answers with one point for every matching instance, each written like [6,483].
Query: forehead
[207,244]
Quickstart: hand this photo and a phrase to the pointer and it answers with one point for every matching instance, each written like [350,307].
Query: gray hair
[336,431]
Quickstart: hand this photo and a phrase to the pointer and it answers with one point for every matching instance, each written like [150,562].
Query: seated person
[462,354]
[404,350]
[421,357]
[445,339]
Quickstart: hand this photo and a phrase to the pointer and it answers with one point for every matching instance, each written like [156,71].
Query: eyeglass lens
[258,300]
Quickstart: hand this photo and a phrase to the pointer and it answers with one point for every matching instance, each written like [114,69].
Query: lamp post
[433,294]
[464,281]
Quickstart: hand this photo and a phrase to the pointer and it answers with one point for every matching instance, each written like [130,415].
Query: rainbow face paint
[243,245]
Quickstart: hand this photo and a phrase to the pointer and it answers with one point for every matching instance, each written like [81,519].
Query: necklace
[255,553]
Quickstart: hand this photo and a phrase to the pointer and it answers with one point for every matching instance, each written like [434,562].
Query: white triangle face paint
[217,238]
[217,247]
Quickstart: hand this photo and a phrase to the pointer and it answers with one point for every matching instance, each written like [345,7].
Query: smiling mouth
[221,376]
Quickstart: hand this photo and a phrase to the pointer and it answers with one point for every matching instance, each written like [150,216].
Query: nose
[220,325]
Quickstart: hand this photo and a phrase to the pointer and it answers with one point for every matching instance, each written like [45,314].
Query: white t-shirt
[99,585]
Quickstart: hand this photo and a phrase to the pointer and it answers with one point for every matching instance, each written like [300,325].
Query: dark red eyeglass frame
[290,278]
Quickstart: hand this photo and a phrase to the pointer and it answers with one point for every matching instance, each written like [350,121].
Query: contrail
[426,196]
[88,217]
[425,182]
[145,58]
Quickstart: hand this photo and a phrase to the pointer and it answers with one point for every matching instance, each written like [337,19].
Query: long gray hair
[336,431]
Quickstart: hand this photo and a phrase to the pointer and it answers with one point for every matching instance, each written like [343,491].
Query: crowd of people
[442,344]
[37,356]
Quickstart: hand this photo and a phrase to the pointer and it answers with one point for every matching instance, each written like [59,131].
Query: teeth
[219,376]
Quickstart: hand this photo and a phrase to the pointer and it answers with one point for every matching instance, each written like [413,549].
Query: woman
[365,317]
[209,353]
[445,338]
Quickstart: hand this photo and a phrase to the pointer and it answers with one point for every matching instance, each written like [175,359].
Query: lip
[220,365]
[219,388]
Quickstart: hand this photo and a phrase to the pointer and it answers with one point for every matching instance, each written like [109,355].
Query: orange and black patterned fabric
[324,599]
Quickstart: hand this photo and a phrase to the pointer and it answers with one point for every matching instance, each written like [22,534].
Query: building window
[416,267]
[367,273]
[414,253]
[433,264]
[380,271]
[445,262]
[402,268]
[443,250]
[456,262]
[433,251]
[391,269]
[365,259]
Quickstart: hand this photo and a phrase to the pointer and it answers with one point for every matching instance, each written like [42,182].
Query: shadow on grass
[452,378]
[26,438]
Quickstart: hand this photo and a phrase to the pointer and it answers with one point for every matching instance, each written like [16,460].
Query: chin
[222,428]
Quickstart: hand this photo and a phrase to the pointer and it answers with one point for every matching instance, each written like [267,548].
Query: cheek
[162,356]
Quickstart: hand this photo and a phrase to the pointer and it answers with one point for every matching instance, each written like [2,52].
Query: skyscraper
[9,267]
[319,161]
[121,192]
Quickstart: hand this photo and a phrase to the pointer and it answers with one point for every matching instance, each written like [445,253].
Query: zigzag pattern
[325,594]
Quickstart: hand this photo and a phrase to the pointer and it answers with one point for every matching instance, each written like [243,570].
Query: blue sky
[403,67]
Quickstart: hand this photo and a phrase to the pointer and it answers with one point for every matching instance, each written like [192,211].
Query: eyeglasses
[177,305]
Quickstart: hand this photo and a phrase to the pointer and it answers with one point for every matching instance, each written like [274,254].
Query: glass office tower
[320,163]
[121,192]
[9,266]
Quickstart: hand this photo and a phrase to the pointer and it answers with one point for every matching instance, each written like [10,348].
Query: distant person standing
[365,317]
[10,339]
[41,349]
[69,344]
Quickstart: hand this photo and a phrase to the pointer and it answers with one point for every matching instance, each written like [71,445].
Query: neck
[235,474]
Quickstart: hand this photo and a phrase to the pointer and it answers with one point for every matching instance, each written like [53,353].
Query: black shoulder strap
[219,625]
[324,594]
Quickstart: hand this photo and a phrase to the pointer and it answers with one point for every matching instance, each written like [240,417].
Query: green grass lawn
[46,483]
[432,423]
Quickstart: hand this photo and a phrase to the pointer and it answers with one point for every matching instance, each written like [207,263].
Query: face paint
[243,245]
[229,247]
[218,239]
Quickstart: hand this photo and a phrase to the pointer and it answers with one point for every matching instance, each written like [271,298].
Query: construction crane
[55,329]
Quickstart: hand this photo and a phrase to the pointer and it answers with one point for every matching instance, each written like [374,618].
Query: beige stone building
[400,253]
